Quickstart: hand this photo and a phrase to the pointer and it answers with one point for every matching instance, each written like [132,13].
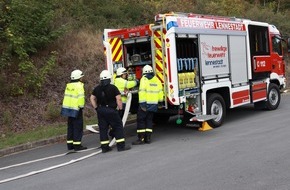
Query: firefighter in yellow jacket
[150,96]
[123,84]
[72,107]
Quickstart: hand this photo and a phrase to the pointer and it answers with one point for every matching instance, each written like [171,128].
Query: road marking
[50,168]
[41,159]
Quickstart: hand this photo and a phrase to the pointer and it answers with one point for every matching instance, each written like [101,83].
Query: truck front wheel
[273,97]
[216,106]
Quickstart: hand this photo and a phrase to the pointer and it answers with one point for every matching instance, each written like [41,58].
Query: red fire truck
[207,64]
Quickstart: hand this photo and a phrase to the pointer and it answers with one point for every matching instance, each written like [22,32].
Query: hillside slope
[81,50]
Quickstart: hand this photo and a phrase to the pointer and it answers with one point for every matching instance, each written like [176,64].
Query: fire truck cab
[207,64]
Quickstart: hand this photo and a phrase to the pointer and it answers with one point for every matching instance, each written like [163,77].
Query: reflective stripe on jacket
[74,99]
[150,93]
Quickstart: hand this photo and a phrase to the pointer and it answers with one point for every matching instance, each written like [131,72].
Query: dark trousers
[110,117]
[144,121]
[75,130]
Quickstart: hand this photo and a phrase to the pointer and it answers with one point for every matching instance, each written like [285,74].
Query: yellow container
[190,77]
[187,80]
[181,77]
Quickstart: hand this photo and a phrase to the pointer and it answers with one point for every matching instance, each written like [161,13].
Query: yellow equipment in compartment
[186,80]
[181,77]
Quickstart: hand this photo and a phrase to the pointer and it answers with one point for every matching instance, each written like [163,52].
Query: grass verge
[37,134]
[40,133]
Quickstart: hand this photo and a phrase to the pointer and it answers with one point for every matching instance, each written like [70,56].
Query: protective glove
[160,105]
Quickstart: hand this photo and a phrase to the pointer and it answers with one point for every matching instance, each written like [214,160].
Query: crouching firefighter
[150,99]
[72,107]
[106,100]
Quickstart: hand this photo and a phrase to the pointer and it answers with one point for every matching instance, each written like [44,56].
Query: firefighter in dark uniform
[106,100]
[72,107]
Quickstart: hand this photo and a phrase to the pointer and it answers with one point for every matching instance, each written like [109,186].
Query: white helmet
[147,69]
[121,71]
[105,74]
[76,74]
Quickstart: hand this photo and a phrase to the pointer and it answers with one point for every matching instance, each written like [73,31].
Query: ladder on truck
[159,57]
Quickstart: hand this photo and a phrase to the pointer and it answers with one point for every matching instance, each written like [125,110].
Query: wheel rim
[217,110]
[273,97]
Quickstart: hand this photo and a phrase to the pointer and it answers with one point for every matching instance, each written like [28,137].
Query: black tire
[216,106]
[273,97]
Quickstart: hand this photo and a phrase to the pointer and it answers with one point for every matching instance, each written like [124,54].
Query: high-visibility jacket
[113,78]
[150,93]
[123,85]
[74,99]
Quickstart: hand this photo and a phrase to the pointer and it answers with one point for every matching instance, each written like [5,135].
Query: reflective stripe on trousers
[110,117]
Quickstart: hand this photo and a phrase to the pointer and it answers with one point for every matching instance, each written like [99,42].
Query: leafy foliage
[26,28]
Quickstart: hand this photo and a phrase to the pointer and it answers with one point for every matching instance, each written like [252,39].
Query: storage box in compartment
[192,103]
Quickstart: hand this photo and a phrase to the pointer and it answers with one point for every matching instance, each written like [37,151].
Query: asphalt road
[249,152]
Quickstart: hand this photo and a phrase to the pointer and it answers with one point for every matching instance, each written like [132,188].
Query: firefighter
[123,84]
[106,100]
[150,99]
[72,107]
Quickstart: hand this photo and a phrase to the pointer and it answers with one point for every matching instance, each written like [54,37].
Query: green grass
[41,133]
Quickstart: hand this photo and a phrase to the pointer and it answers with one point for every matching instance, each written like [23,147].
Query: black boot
[79,147]
[140,140]
[147,138]
[122,147]
[70,146]
[106,148]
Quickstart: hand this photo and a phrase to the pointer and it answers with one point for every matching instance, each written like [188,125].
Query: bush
[7,118]
[27,27]
[52,112]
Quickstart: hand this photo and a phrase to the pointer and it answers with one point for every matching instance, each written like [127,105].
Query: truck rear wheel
[216,106]
[273,97]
